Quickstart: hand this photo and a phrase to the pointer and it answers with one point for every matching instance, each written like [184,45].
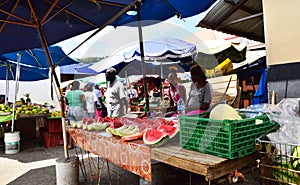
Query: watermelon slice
[138,135]
[155,137]
[171,131]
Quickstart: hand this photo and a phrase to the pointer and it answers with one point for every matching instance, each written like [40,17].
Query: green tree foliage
[90,60]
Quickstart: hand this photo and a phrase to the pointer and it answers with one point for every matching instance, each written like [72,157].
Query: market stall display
[143,148]
[279,147]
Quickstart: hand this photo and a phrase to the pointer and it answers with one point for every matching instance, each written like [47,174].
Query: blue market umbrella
[158,50]
[8,71]
[27,73]
[37,57]
[166,51]
[78,69]
[33,24]
[154,11]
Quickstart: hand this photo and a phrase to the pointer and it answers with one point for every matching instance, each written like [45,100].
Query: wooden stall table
[29,125]
[209,166]
[136,157]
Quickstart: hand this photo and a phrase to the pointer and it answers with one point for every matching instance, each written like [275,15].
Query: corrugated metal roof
[239,17]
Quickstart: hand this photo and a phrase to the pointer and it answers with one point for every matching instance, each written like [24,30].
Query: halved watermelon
[154,137]
[171,131]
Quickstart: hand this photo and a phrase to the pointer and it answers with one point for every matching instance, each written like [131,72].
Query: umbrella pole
[142,55]
[16,91]
[62,99]
[162,85]
[7,85]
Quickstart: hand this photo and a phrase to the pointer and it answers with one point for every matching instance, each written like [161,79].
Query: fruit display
[31,109]
[92,126]
[24,109]
[55,114]
[123,130]
[154,132]
[4,109]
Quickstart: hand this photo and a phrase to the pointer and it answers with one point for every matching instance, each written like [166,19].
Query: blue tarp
[261,94]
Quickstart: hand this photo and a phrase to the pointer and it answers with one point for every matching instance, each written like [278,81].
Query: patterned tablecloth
[132,156]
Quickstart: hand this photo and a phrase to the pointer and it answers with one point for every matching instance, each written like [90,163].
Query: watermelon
[115,123]
[171,131]
[154,137]
[130,130]
[100,126]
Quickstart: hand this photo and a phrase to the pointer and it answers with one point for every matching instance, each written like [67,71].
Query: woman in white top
[201,92]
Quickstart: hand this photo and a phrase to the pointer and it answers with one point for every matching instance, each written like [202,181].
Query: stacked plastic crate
[53,136]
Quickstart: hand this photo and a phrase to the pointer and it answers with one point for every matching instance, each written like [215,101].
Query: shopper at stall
[116,97]
[76,103]
[90,102]
[200,94]
[100,107]
[176,90]
[132,92]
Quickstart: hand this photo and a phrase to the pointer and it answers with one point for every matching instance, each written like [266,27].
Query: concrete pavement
[35,165]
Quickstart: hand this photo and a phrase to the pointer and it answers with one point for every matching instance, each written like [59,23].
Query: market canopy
[37,57]
[242,18]
[80,69]
[155,68]
[165,48]
[27,73]
[28,24]
[165,51]
[160,10]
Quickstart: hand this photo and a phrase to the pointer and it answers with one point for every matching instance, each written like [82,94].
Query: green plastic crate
[223,138]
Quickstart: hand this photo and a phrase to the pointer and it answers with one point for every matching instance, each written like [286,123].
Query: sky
[111,40]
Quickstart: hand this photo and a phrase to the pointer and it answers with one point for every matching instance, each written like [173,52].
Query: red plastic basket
[54,125]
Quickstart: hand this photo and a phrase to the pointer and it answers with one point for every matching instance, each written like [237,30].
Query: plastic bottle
[180,107]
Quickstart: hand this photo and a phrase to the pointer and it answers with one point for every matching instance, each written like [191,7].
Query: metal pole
[16,91]
[7,85]
[142,55]
[162,85]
